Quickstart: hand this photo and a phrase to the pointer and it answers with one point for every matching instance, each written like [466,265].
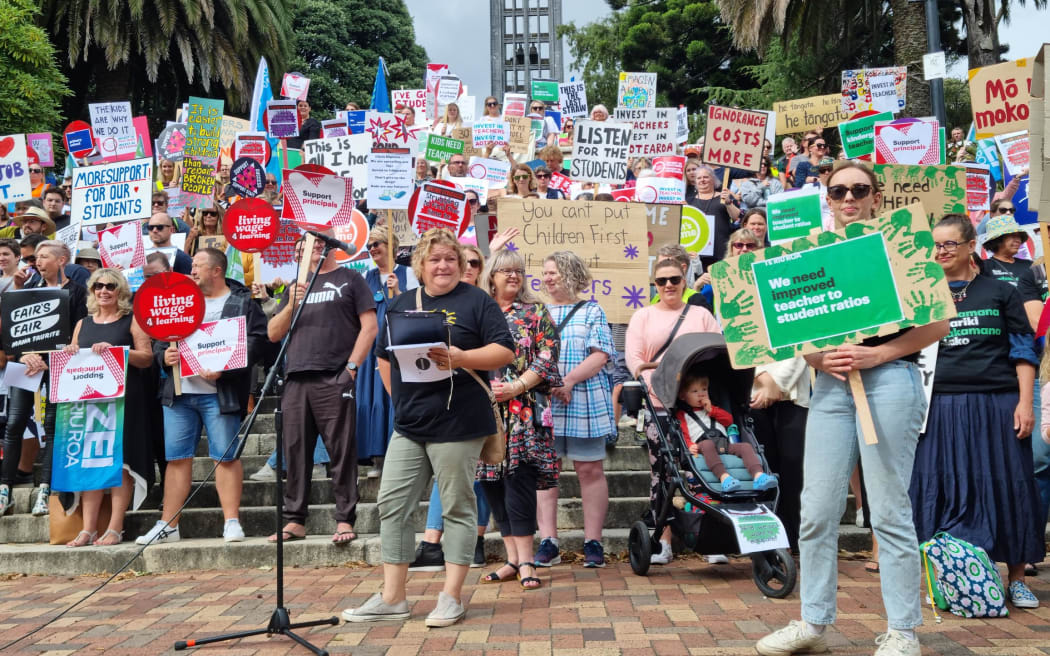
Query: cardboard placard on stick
[999,96]
[734,137]
[599,151]
[809,113]
[940,189]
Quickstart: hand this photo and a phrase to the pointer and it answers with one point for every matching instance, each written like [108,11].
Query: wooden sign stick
[304,264]
[867,424]
[390,247]
[725,181]
[176,374]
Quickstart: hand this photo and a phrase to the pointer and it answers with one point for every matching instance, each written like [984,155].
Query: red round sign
[79,139]
[439,204]
[251,225]
[169,306]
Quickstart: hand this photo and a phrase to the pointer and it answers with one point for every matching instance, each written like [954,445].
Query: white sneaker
[266,474]
[232,531]
[447,612]
[160,532]
[664,557]
[40,508]
[717,559]
[376,610]
[894,643]
[794,638]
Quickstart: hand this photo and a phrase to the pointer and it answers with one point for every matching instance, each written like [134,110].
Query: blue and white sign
[14,169]
[89,445]
[111,193]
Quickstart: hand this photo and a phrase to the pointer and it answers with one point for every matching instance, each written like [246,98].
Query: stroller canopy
[706,351]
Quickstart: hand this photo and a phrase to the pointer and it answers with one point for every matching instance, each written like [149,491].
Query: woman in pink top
[650,332]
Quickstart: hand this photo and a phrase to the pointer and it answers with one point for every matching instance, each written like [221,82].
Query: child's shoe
[730,484]
[764,482]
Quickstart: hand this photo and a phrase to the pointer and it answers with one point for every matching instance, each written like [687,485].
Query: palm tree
[982,18]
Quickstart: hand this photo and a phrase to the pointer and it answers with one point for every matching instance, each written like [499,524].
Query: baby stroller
[707,528]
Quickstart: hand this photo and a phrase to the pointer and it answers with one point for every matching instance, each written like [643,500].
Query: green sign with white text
[545,90]
[792,215]
[858,135]
[439,149]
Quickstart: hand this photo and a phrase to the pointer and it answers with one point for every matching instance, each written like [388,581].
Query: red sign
[251,225]
[317,201]
[439,204]
[354,233]
[734,137]
[79,139]
[169,306]
[253,145]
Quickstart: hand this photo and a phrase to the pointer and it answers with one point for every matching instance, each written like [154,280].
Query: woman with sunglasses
[543,188]
[109,323]
[718,207]
[893,386]
[521,182]
[755,191]
[807,171]
[207,227]
[649,333]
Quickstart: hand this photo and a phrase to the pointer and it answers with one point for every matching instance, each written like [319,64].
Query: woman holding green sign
[893,387]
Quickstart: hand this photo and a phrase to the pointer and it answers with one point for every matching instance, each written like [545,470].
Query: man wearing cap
[34,220]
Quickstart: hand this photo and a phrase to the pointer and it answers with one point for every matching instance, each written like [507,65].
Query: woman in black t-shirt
[1003,239]
[973,475]
[720,208]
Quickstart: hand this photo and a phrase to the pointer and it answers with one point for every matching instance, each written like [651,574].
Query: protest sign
[70,236]
[87,376]
[907,141]
[467,108]
[697,233]
[448,89]
[247,177]
[169,306]
[787,301]
[492,170]
[203,129]
[1039,190]
[14,169]
[999,96]
[665,227]
[282,119]
[878,89]
[682,126]
[940,189]
[317,201]
[522,135]
[355,120]
[431,80]
[573,99]
[403,228]
[653,130]
[1016,150]
[198,182]
[599,151]
[666,184]
[636,90]
[346,157]
[218,242]
[612,238]
[437,205]
[215,346]
[734,137]
[109,193]
[295,86]
[858,135]
[230,127]
[793,214]
[121,246]
[391,180]
[466,135]
[561,182]
[390,132]
[440,149]
[89,446]
[978,187]
[252,144]
[278,259]
[34,320]
[808,113]
[515,105]
[43,146]
[79,139]
[480,187]
[414,98]
[114,132]
[251,225]
[490,133]
[171,141]
[336,127]
[544,90]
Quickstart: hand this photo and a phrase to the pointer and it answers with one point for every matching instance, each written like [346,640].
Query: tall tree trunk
[909,45]
[982,32]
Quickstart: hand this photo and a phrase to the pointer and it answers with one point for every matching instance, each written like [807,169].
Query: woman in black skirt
[973,475]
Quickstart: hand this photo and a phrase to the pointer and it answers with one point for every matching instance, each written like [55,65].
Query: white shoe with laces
[266,474]
[232,531]
[664,557]
[894,643]
[447,612]
[160,532]
[43,497]
[795,638]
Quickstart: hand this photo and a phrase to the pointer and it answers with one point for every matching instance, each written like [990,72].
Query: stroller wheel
[640,548]
[774,572]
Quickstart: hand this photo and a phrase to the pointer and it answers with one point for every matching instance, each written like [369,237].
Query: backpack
[961,579]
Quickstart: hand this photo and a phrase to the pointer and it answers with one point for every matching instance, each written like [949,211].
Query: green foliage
[31,86]
[338,45]
[594,48]
[958,110]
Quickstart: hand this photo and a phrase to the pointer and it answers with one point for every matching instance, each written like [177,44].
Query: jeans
[434,520]
[183,421]
[320,456]
[833,444]
[19,411]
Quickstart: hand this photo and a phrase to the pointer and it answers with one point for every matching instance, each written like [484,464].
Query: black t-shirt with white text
[975,356]
[1018,273]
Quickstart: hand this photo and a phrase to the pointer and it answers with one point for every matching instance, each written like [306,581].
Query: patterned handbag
[961,579]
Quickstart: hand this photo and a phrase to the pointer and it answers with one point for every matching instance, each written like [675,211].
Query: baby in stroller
[704,427]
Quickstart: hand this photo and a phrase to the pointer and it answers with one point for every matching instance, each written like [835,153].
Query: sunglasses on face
[859,191]
[543,176]
[153,227]
[511,272]
[473,201]
[1007,210]
[824,169]
[36,170]
[209,213]
[474,264]
[271,182]
[159,203]
[492,104]
[29,259]
[374,245]
[537,108]
[820,145]
[522,177]
[744,246]
[66,187]
[108,286]
[673,280]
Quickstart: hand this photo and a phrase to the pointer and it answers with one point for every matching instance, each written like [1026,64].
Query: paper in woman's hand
[414,364]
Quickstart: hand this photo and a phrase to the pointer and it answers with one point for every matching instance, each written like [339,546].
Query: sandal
[494,577]
[78,542]
[286,536]
[343,537]
[103,541]
[872,567]
[528,582]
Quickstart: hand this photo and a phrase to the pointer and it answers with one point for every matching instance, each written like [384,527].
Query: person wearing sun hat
[32,221]
[1003,239]
[89,258]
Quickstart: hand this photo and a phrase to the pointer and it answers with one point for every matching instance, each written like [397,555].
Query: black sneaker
[479,552]
[429,558]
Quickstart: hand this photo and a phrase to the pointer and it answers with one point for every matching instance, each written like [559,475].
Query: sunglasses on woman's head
[674,280]
[859,191]
[109,286]
[744,246]
[1007,210]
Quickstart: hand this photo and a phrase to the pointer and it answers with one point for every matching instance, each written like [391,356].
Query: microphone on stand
[332,242]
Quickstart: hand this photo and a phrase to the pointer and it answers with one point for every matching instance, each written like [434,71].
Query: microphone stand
[280,622]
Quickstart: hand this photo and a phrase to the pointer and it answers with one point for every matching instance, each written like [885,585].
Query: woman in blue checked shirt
[582,407]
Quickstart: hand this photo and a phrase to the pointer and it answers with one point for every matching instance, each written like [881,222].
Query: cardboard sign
[858,135]
[515,105]
[171,141]
[665,227]
[391,180]
[666,184]
[347,157]
[697,232]
[999,96]
[114,131]
[14,169]
[247,177]
[34,320]
[109,193]
[874,89]
[978,187]
[907,141]
[121,246]
[787,301]
[215,346]
[523,135]
[230,127]
[169,306]
[436,205]
[43,145]
[1039,190]
[636,90]
[599,151]
[85,376]
[793,214]
[494,171]
[414,98]
[653,130]
[544,90]
[251,225]
[79,139]
[278,259]
[440,149]
[573,99]
[466,135]
[940,189]
[490,133]
[203,129]
[317,201]
[252,144]
[390,132]
[403,228]
[295,86]
[282,119]
[89,446]
[734,137]
[1016,150]
[612,238]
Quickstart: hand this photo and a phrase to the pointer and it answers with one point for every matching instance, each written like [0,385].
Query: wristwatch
[351,367]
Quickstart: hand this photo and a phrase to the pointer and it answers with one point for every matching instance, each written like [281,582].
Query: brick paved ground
[689,607]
